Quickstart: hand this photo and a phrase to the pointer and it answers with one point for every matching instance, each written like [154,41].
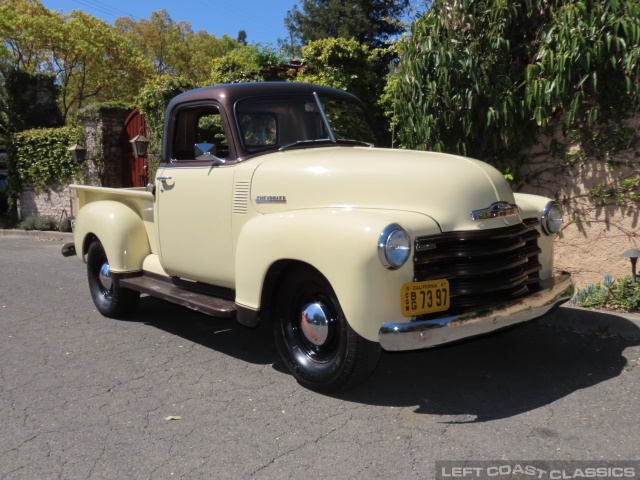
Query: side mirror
[204,150]
[207,152]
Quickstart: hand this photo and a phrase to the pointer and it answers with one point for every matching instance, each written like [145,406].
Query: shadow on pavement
[496,376]
[489,378]
[592,321]
[253,345]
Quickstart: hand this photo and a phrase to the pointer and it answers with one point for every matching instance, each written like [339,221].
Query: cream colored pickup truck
[272,204]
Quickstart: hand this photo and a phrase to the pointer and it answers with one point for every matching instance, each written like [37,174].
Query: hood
[444,187]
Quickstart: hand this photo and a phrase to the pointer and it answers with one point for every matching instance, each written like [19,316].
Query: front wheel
[110,299]
[313,337]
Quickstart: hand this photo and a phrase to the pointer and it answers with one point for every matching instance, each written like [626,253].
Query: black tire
[110,299]
[324,354]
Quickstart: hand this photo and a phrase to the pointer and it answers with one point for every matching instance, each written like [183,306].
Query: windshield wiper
[301,143]
[355,142]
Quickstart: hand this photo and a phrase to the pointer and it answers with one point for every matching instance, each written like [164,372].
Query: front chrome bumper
[431,333]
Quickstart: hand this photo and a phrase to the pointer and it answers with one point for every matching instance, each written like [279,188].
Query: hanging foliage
[481,77]
[587,64]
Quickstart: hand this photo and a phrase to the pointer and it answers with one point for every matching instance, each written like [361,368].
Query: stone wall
[596,230]
[57,202]
[102,130]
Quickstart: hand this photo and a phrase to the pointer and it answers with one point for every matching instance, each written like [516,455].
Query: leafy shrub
[42,158]
[39,223]
[620,295]
[65,224]
[7,221]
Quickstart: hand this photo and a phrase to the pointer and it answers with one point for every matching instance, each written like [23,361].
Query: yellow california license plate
[418,298]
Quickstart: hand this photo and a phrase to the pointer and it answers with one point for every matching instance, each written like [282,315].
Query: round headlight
[394,246]
[551,218]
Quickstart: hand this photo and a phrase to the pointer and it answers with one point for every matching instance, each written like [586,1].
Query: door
[134,169]
[194,194]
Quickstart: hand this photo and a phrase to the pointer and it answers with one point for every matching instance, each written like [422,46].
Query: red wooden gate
[134,170]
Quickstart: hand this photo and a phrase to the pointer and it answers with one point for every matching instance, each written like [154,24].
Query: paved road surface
[85,397]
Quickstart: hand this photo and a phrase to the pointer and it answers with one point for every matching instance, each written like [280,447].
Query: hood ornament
[498,209]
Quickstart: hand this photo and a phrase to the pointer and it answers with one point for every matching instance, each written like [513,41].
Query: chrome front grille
[484,267]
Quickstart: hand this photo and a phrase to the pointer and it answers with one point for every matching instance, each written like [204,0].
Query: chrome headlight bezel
[551,218]
[394,247]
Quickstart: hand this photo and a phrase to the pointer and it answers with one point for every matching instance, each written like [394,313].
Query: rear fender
[120,230]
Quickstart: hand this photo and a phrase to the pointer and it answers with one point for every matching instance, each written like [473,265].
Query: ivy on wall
[42,158]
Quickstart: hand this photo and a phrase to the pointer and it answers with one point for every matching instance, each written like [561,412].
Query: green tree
[203,49]
[242,37]
[159,39]
[347,65]
[173,47]
[339,63]
[93,63]
[478,78]
[88,58]
[251,63]
[291,46]
[25,27]
[371,22]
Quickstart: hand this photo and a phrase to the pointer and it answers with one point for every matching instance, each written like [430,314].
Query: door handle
[163,178]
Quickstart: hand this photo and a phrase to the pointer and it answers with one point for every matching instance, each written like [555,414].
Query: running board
[165,289]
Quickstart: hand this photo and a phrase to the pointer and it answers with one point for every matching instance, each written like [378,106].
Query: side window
[199,135]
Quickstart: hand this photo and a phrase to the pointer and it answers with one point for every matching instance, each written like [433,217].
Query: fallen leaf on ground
[172,417]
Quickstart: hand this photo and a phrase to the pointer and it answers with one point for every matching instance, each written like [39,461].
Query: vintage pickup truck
[271,203]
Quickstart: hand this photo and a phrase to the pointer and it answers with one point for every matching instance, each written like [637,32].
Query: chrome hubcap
[315,321]
[105,277]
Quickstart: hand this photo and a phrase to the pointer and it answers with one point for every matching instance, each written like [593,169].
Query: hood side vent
[241,198]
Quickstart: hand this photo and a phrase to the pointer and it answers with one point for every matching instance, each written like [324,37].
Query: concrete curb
[581,320]
[38,234]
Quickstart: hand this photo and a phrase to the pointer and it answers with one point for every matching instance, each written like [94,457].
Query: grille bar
[474,235]
[483,267]
[472,249]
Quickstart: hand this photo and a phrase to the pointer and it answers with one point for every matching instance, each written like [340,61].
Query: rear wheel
[313,337]
[110,299]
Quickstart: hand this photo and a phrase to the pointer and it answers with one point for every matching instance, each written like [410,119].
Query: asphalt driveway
[169,393]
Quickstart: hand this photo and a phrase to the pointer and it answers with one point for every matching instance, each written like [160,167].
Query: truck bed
[138,199]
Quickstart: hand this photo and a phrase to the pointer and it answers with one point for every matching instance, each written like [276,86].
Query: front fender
[340,244]
[120,230]
[531,206]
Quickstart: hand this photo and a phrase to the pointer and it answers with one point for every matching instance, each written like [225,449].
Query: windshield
[284,120]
